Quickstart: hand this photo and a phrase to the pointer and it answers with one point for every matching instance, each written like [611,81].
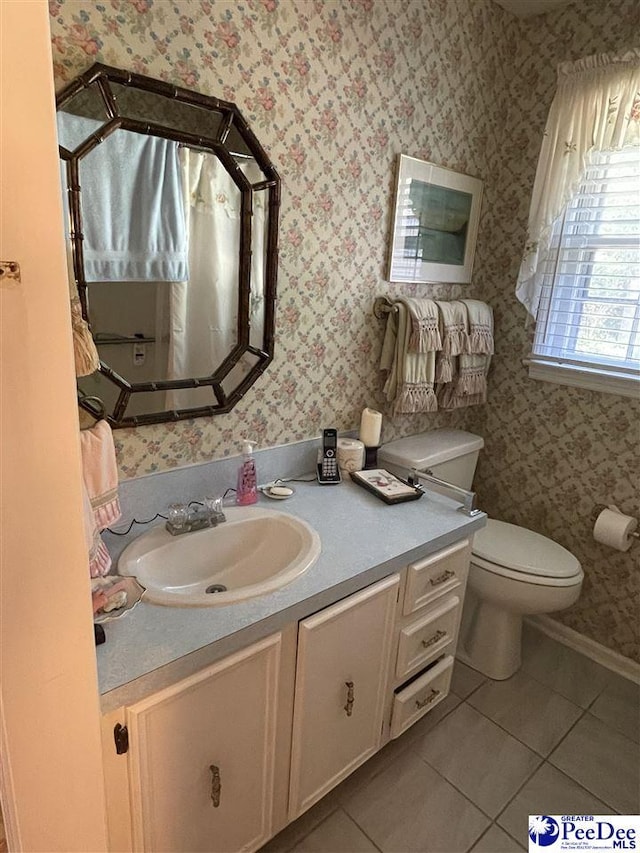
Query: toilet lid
[522,550]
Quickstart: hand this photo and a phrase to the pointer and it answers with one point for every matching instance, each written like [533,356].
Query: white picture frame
[435,224]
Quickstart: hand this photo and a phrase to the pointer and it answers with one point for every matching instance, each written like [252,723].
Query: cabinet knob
[350,698]
[216,785]
[422,703]
[435,639]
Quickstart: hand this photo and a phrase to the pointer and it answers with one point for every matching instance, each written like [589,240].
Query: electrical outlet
[139,354]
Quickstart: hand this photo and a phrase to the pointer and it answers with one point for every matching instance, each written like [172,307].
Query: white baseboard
[618,663]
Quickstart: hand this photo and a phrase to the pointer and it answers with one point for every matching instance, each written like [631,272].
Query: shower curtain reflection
[204,309]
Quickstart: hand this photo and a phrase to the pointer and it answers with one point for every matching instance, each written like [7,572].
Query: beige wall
[51,777]
[335,90]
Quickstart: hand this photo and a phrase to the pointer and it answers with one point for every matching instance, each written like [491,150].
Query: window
[588,322]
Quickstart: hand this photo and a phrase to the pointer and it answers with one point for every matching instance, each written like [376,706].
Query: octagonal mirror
[172,208]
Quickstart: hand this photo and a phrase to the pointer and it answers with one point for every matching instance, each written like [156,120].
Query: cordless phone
[328,471]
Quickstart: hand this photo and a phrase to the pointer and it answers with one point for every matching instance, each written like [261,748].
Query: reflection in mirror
[173,213]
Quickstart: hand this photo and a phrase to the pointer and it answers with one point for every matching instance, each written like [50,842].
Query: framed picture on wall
[435,223]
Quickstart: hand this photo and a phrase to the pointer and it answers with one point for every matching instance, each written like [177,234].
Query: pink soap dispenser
[247,490]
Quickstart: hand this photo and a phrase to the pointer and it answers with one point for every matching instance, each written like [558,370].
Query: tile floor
[559,737]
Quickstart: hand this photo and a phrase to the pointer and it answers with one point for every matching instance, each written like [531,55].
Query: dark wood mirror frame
[228,120]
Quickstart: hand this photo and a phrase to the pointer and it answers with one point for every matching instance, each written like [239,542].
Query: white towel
[480,340]
[410,381]
[462,379]
[425,325]
[454,327]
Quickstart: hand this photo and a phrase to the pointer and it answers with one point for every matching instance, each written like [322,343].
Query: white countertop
[363,540]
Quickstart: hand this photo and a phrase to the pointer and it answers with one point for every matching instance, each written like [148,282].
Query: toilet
[514,572]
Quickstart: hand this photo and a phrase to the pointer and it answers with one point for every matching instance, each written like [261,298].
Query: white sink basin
[253,552]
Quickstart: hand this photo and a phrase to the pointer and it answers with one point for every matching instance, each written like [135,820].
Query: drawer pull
[216,785]
[443,578]
[422,703]
[435,639]
[350,698]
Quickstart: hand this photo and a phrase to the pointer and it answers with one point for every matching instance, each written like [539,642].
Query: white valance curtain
[596,108]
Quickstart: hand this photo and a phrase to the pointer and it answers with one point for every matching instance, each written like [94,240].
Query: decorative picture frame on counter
[435,223]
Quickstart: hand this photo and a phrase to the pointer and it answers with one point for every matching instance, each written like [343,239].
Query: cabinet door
[341,674]
[202,757]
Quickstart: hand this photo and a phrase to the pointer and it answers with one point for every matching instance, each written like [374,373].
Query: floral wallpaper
[561,451]
[335,90]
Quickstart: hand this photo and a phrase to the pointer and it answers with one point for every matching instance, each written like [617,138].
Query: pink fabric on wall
[100,473]
[100,493]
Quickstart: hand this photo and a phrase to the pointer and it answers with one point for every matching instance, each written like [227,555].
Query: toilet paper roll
[350,455]
[615,529]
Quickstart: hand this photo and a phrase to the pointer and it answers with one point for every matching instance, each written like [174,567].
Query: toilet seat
[523,555]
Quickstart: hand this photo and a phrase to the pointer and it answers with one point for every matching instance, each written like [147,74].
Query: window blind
[589,315]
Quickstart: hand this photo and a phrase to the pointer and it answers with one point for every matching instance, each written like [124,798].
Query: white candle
[370,427]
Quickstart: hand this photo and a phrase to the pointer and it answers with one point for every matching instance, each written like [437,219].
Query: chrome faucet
[182,519]
[449,490]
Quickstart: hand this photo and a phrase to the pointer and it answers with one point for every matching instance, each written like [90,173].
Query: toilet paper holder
[598,509]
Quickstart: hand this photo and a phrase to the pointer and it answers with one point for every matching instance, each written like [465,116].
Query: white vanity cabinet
[340,696]
[223,759]
[202,757]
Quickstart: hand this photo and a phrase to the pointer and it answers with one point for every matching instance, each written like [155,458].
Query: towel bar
[382,305]
[93,405]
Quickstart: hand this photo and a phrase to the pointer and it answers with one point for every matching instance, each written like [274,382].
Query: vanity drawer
[420,696]
[436,575]
[428,636]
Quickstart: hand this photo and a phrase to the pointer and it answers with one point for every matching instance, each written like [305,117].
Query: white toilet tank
[450,454]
